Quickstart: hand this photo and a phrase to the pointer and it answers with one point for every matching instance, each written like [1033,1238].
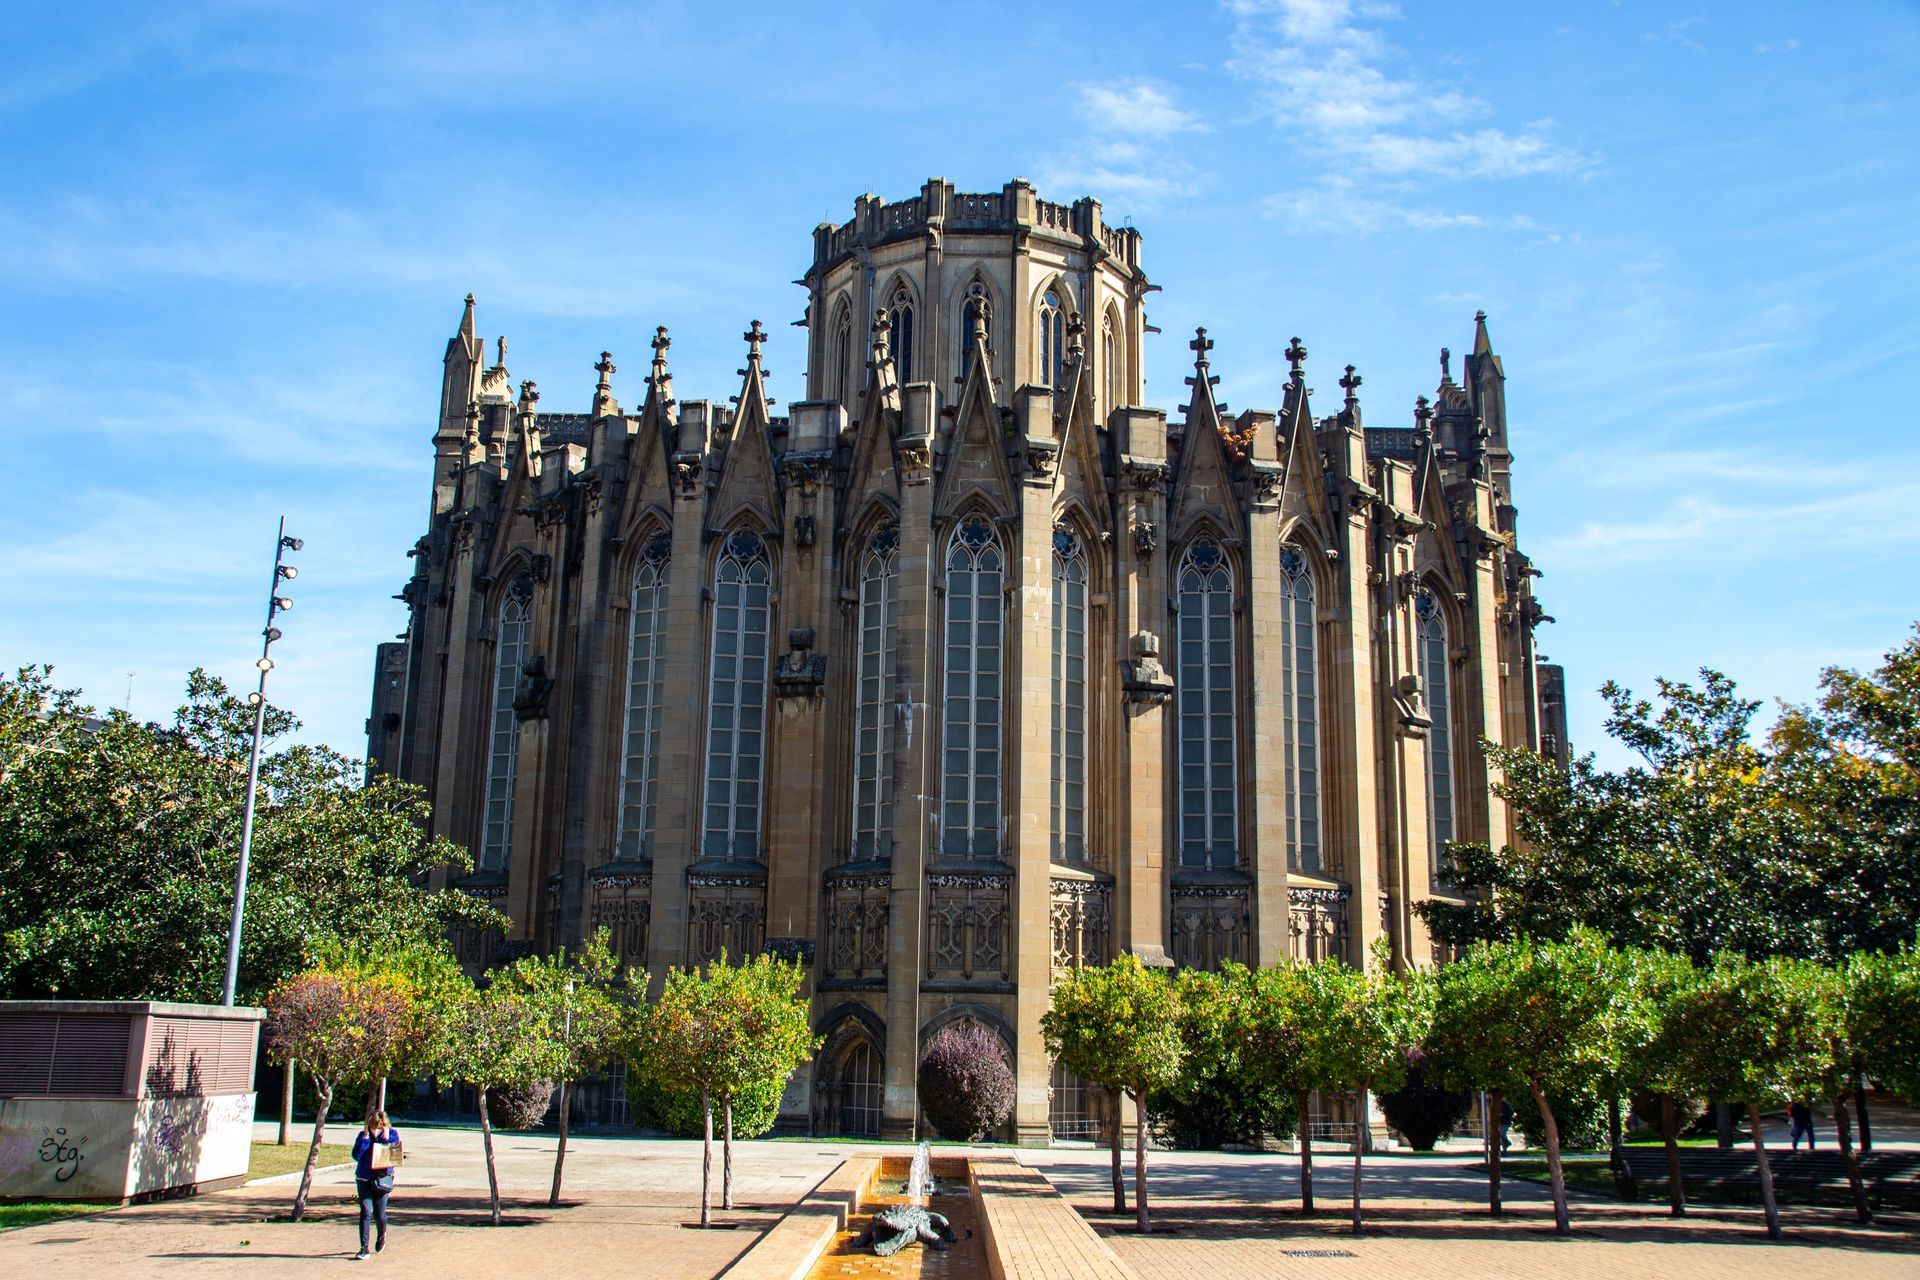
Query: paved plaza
[1230,1216]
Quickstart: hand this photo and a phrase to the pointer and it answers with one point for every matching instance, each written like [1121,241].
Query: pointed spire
[466,321]
[604,404]
[1482,345]
[1297,358]
[661,342]
[1201,344]
[754,337]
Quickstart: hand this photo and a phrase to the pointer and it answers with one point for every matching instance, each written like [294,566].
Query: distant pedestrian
[1800,1116]
[1506,1123]
[376,1153]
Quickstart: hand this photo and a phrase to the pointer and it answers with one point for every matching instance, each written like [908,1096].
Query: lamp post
[276,605]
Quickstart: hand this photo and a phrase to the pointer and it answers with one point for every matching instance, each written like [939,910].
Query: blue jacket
[363,1151]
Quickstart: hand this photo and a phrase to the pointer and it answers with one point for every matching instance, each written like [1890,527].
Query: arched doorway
[860,1091]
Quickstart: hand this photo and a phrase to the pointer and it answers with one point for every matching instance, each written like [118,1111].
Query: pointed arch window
[970,733]
[1109,352]
[842,356]
[737,699]
[646,699]
[900,326]
[1069,799]
[1300,711]
[503,754]
[1209,835]
[1435,679]
[873,730]
[1053,338]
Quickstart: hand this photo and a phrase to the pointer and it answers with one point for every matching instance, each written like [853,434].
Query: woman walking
[376,1152]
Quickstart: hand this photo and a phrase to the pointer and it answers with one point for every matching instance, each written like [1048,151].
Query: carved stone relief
[967,926]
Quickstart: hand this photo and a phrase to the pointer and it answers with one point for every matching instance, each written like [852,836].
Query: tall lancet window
[1069,698]
[737,699]
[1053,339]
[1109,355]
[1209,835]
[646,699]
[873,733]
[900,333]
[1300,711]
[503,755]
[842,384]
[970,734]
[1435,679]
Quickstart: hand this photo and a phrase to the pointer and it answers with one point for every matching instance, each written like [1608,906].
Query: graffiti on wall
[63,1152]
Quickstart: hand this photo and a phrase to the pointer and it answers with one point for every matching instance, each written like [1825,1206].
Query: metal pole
[265,664]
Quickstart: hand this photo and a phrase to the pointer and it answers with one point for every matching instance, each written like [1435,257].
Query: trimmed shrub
[519,1106]
[1423,1113]
[1582,1117]
[966,1088]
[1220,1110]
[676,1112]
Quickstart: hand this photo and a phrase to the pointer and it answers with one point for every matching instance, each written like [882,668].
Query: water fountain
[897,1226]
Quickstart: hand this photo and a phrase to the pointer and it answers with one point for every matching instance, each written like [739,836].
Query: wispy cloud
[1324,74]
[1129,148]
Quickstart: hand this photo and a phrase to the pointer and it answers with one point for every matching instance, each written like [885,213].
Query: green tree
[500,1038]
[119,842]
[1760,1034]
[1527,1014]
[1121,1026]
[727,1031]
[1884,1016]
[345,1026]
[578,992]
[1377,1017]
[1648,1053]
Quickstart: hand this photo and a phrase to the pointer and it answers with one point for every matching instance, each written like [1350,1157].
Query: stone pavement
[625,1202]
[1235,1216]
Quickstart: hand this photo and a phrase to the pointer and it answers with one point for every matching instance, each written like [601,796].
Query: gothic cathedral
[966,668]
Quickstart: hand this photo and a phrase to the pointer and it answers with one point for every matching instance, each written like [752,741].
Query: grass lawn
[270,1158]
[34,1213]
[1583,1173]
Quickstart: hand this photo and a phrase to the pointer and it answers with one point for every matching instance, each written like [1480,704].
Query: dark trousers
[373,1194]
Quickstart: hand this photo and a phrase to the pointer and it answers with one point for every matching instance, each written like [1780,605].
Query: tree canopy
[119,842]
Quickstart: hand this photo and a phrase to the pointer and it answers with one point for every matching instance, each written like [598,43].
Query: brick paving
[1236,1216]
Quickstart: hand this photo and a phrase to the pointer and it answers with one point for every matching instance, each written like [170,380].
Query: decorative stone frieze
[967,926]
[727,912]
[857,907]
[1317,922]
[1082,920]
[623,905]
[1211,924]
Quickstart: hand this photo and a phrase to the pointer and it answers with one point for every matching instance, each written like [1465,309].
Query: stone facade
[966,668]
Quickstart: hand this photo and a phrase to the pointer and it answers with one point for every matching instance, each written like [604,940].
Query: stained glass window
[737,699]
[646,679]
[1209,835]
[970,737]
[900,336]
[1052,339]
[873,730]
[1435,679]
[503,756]
[1069,802]
[1300,711]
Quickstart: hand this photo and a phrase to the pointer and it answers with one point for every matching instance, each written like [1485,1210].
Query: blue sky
[234,239]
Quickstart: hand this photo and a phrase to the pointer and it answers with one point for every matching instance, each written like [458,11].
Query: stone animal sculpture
[897,1226]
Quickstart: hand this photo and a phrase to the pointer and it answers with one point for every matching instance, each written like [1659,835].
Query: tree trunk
[1140,1161]
[1860,1109]
[560,1152]
[1496,1104]
[1359,1148]
[1306,1153]
[1843,1130]
[1723,1124]
[493,1177]
[726,1152]
[286,1101]
[324,1092]
[1119,1164]
[1561,1223]
[1616,1152]
[383,1095]
[706,1159]
[1766,1172]
[1670,1138]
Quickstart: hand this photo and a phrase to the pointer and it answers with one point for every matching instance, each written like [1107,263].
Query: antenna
[127,706]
